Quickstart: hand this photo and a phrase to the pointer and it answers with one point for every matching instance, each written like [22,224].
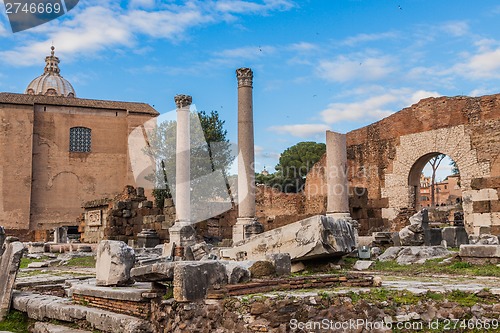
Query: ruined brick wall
[16,139]
[383,156]
[120,218]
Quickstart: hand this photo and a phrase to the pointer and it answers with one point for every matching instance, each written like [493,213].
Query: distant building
[58,151]
[446,192]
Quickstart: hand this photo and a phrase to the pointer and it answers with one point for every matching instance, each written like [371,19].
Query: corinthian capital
[183,100]
[245,77]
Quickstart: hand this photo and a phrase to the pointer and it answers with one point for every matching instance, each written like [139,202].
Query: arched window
[80,139]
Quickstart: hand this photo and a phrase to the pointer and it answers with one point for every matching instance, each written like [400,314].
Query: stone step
[46,307]
[41,327]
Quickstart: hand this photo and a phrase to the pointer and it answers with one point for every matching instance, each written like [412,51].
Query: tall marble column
[182,232]
[246,224]
[336,168]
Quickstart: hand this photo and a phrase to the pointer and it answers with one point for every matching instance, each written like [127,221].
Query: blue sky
[318,64]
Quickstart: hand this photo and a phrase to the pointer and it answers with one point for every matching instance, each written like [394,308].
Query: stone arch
[414,149]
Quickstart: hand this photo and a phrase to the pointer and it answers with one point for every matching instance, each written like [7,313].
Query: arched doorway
[434,183]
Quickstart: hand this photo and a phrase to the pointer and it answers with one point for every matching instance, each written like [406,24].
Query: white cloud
[456,29]
[240,7]
[481,91]
[141,3]
[300,130]
[484,65]
[348,68]
[363,38]
[302,47]
[374,107]
[246,52]
[96,25]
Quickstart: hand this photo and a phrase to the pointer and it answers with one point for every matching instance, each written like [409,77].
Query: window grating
[80,139]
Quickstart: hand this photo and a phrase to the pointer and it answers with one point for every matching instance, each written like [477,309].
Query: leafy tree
[454,170]
[294,164]
[434,163]
[210,151]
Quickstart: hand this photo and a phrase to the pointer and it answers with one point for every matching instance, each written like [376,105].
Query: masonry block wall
[383,158]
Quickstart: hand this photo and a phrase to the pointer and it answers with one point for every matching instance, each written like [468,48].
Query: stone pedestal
[182,234]
[115,259]
[148,238]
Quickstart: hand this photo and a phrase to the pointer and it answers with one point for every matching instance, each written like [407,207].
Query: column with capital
[182,232]
[246,224]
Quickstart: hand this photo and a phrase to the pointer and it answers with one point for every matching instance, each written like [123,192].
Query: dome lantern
[51,83]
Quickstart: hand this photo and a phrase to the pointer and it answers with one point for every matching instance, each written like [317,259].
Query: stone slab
[161,271]
[480,251]
[455,236]
[131,293]
[41,327]
[362,265]
[314,237]
[9,265]
[46,307]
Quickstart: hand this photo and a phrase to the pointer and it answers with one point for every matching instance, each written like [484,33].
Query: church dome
[51,83]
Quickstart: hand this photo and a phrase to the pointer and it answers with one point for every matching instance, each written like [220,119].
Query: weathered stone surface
[390,254]
[193,279]
[38,264]
[475,253]
[43,307]
[281,262]
[133,293]
[484,239]
[455,236]
[413,235]
[298,267]
[262,268]
[420,254]
[9,265]
[405,255]
[314,237]
[2,239]
[161,271]
[148,238]
[36,247]
[362,265]
[41,327]
[236,272]
[115,259]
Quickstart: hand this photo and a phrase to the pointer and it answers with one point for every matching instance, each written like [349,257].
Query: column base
[245,228]
[182,234]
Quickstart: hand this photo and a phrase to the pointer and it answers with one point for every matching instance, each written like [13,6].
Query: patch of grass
[436,267]
[26,261]
[16,322]
[463,298]
[82,262]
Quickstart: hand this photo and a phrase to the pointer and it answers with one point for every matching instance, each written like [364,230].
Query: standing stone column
[336,168]
[338,185]
[246,224]
[182,232]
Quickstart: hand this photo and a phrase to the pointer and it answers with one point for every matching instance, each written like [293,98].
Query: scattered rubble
[406,255]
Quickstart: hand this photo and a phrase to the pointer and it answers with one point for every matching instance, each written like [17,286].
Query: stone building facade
[385,161]
[59,151]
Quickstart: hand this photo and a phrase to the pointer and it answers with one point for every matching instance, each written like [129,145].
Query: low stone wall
[283,313]
[136,309]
